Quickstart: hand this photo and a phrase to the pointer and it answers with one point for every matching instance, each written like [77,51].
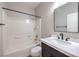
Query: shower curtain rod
[20,12]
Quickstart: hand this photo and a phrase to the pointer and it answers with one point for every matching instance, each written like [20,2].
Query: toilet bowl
[36,51]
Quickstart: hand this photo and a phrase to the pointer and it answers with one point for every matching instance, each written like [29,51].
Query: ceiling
[24,4]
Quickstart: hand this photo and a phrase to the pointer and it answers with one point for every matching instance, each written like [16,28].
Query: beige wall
[47,18]
[47,26]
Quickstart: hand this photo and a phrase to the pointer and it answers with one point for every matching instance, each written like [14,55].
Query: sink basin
[63,42]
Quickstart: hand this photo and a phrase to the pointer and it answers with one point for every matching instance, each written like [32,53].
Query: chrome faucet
[61,36]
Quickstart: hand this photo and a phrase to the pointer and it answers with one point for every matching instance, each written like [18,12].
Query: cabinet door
[47,51]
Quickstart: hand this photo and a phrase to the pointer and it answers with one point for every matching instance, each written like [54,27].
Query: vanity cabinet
[47,51]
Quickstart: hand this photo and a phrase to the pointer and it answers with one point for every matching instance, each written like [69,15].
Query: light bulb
[27,20]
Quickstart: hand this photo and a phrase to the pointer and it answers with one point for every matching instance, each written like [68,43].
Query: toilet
[36,51]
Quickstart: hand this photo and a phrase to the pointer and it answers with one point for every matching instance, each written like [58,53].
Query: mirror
[66,18]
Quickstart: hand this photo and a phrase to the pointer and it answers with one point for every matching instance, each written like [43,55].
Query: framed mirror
[66,18]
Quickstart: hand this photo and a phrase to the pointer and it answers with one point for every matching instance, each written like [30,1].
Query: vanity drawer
[47,51]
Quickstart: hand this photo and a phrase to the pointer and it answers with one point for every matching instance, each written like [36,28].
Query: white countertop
[70,50]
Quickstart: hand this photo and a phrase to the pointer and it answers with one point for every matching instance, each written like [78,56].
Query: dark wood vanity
[48,51]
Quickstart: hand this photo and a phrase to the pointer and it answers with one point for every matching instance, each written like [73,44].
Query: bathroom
[29,29]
